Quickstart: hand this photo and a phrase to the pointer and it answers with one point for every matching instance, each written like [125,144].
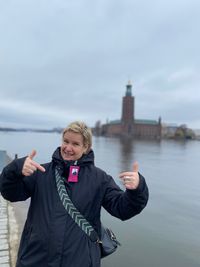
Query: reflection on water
[166,233]
[127,150]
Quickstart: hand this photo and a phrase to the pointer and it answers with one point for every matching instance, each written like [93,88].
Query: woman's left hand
[131,179]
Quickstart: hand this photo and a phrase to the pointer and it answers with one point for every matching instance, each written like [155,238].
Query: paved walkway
[4,234]
[8,225]
[9,232]
[4,222]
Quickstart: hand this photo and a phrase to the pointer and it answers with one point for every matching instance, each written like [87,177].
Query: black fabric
[50,237]
[78,218]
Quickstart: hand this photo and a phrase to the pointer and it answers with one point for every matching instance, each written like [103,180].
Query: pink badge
[73,174]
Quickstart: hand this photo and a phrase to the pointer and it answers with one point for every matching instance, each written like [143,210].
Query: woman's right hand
[30,166]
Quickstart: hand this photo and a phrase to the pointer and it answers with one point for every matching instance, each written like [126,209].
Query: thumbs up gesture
[131,179]
[30,166]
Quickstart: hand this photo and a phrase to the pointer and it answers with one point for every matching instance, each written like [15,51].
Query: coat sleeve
[125,204]
[14,186]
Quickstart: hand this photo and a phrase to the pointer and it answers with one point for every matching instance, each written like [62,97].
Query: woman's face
[72,147]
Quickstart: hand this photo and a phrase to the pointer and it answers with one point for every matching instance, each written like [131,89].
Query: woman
[50,236]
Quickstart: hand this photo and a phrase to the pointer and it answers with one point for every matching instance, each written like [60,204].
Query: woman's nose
[68,147]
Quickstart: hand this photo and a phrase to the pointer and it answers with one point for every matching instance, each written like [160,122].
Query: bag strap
[72,210]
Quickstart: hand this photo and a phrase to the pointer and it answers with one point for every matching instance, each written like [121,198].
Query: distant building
[197,133]
[183,132]
[128,125]
[172,131]
[169,130]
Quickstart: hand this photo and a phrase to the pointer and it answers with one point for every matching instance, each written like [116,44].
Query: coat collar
[84,160]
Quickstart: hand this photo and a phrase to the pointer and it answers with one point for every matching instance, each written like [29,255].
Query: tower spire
[129,89]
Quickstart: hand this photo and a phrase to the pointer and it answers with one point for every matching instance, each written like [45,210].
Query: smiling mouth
[67,155]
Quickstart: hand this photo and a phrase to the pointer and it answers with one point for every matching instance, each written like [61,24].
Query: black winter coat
[50,237]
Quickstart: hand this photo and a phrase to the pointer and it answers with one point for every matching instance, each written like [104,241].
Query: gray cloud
[64,60]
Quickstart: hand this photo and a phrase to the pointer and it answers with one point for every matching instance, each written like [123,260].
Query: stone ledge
[4,234]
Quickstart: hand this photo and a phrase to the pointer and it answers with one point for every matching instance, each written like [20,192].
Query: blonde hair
[81,128]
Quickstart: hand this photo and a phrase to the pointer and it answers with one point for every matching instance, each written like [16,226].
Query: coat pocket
[33,248]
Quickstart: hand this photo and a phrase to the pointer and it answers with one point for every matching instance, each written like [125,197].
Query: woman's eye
[76,144]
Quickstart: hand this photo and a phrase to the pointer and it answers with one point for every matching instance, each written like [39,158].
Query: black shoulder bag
[108,241]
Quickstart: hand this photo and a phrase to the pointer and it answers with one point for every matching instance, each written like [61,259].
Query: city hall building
[128,125]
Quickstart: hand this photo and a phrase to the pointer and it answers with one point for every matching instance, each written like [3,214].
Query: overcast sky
[63,60]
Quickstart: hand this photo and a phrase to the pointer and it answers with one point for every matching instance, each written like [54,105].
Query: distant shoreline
[54,130]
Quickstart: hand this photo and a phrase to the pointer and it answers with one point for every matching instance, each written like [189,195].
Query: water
[167,232]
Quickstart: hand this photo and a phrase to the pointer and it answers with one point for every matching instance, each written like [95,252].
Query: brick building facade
[128,125]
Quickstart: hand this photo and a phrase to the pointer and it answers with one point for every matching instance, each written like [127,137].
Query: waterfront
[166,233]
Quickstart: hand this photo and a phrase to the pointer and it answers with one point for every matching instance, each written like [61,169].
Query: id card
[73,174]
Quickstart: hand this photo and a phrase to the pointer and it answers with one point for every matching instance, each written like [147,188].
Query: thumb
[135,166]
[32,154]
